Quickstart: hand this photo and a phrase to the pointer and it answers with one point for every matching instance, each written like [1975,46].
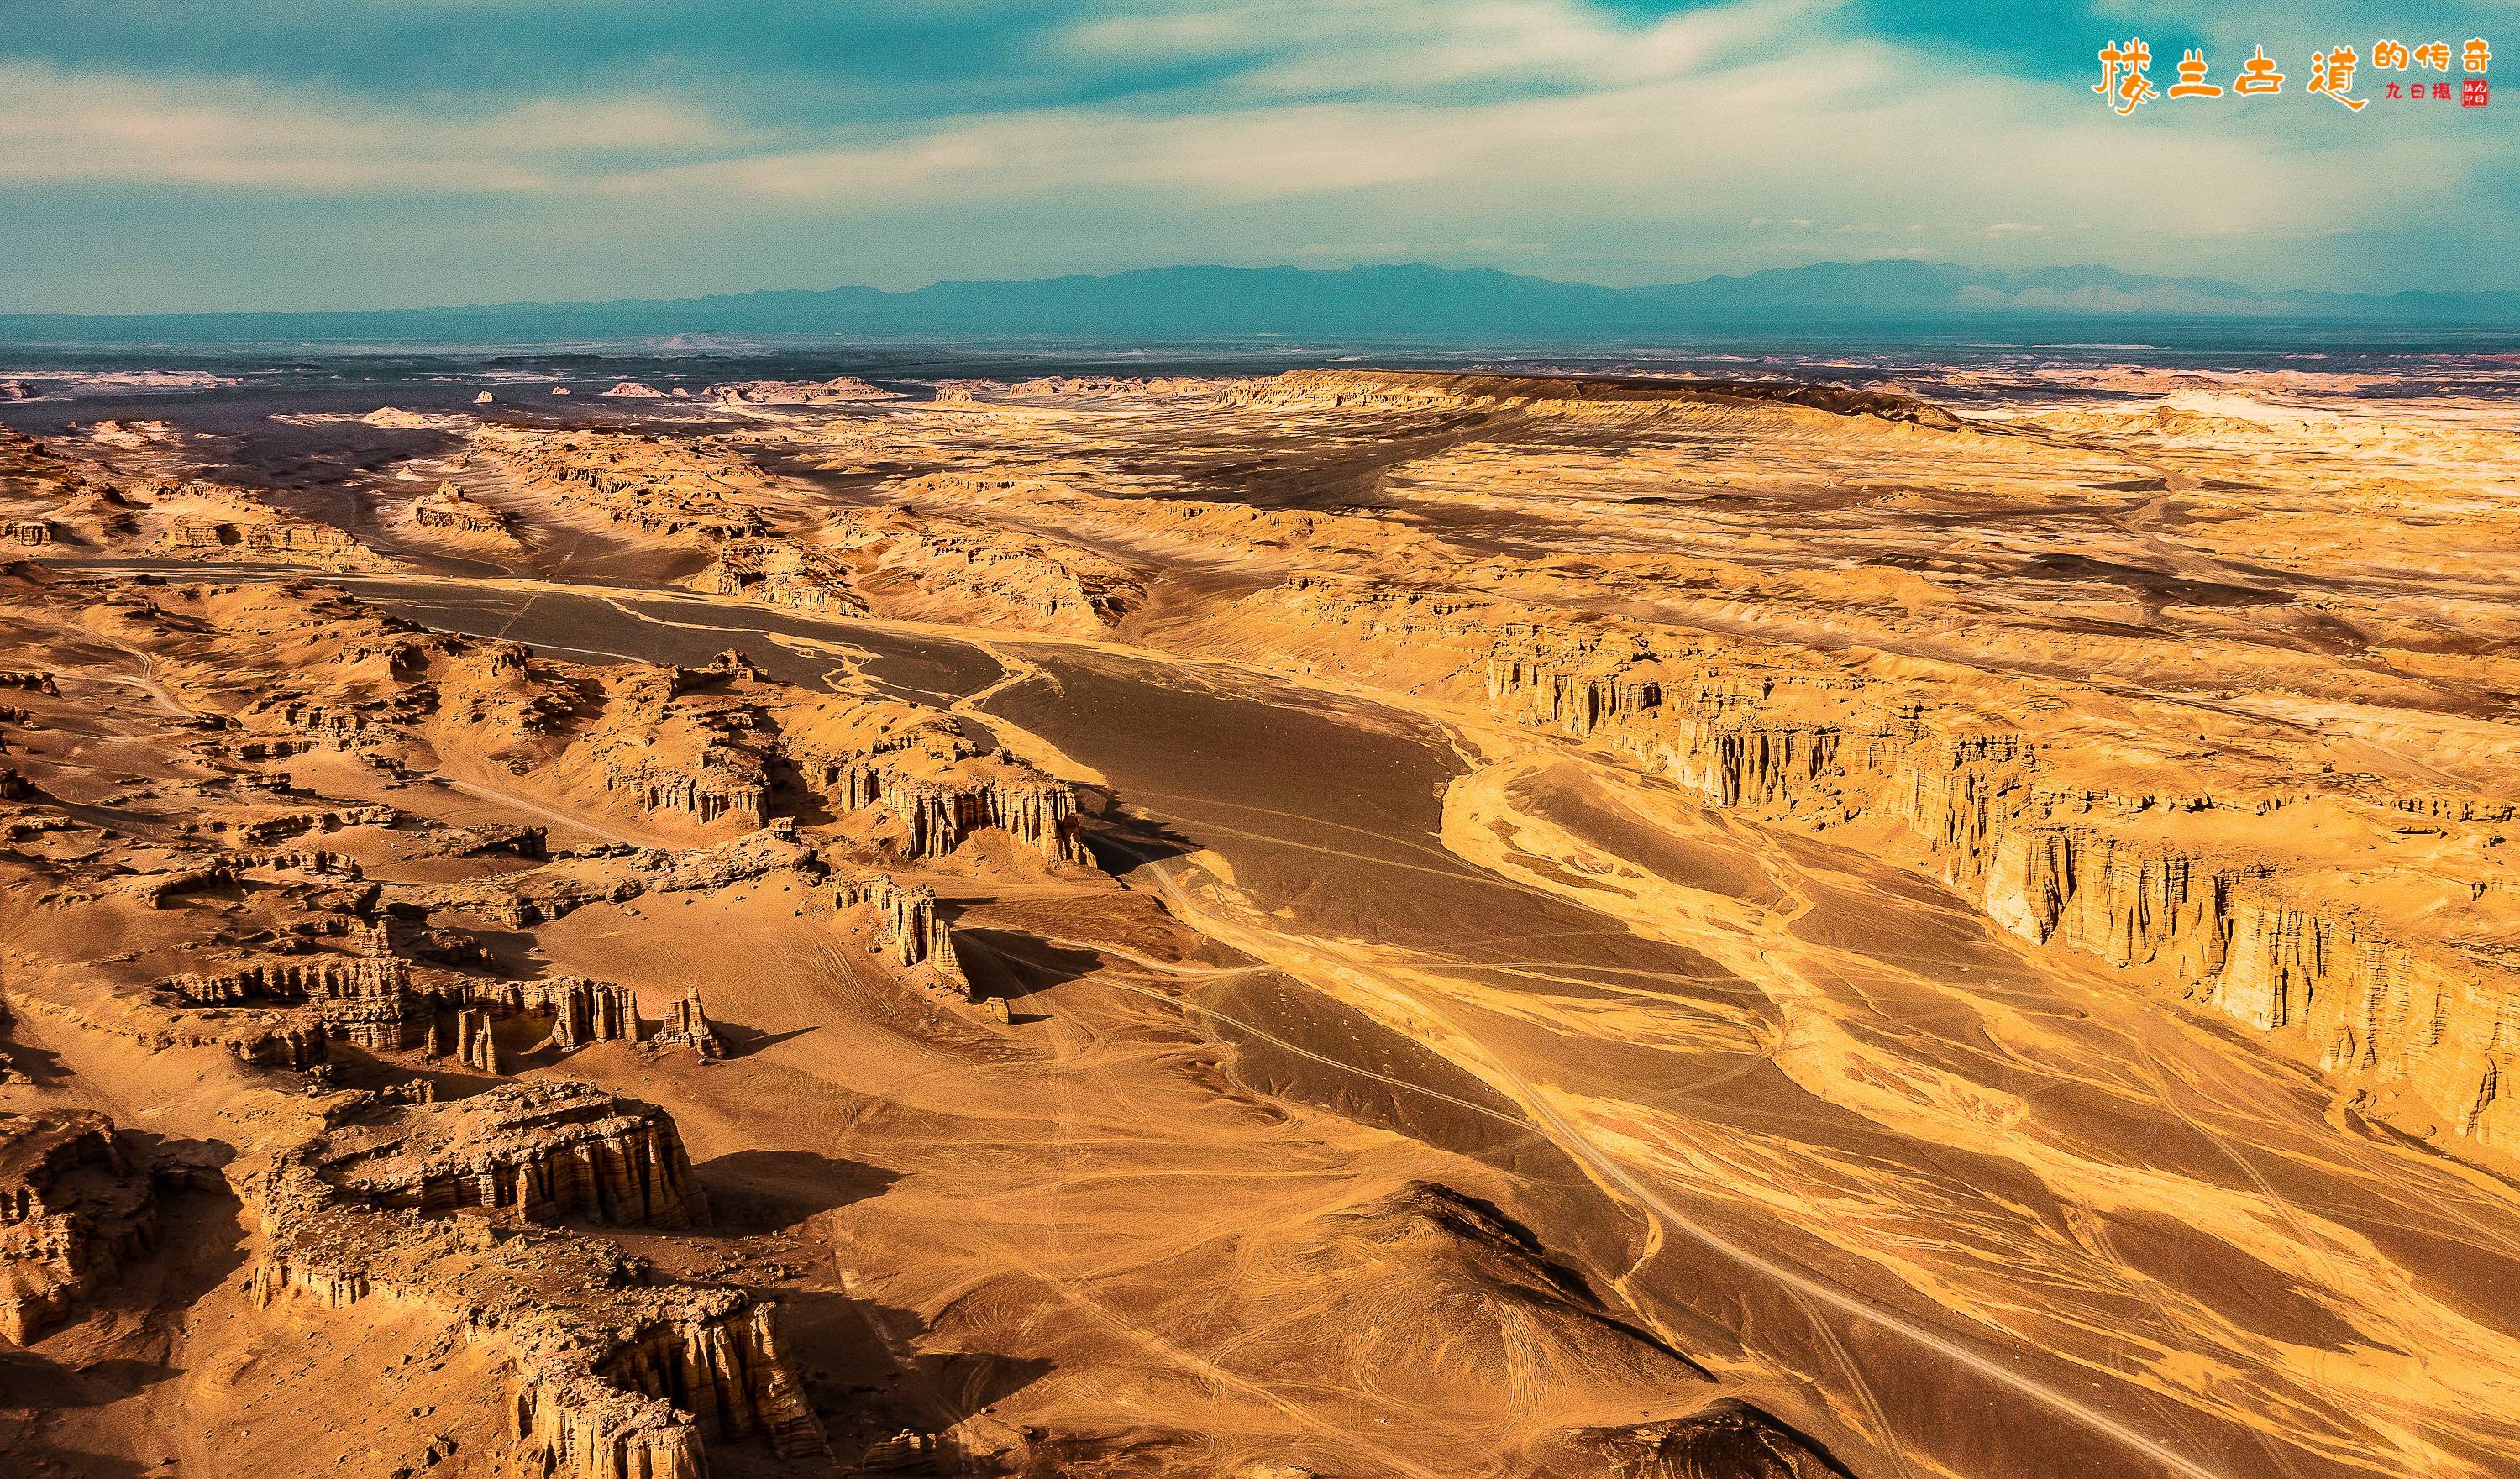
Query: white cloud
[58,126]
[1494,123]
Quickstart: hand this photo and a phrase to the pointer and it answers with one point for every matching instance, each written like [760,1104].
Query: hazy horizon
[796,289]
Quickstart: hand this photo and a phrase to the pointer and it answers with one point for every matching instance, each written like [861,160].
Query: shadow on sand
[890,1407]
[762,1191]
[1010,965]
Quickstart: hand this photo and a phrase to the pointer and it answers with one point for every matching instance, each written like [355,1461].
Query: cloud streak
[1716,138]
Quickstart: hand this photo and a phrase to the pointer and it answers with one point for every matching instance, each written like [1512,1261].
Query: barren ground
[1340,923]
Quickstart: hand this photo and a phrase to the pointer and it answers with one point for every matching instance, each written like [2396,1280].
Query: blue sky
[272,154]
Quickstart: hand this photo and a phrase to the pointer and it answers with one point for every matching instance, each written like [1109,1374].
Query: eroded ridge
[650,484]
[2362,924]
[251,893]
[612,1376]
[918,565]
[712,749]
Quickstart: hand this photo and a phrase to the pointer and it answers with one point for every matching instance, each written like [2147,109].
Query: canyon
[1333,922]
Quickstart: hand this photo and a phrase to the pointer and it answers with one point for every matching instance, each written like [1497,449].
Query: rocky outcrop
[687,1025]
[260,1036]
[1112,384]
[709,741]
[541,1150]
[359,1000]
[1574,397]
[259,826]
[134,435]
[159,888]
[968,392]
[691,741]
[915,934]
[719,782]
[370,998]
[539,895]
[75,1207]
[211,520]
[837,390]
[25,531]
[784,572]
[581,1010]
[712,745]
[448,510]
[917,563]
[919,566]
[1035,810]
[476,1044]
[707,1370]
[611,1376]
[647,483]
[296,979]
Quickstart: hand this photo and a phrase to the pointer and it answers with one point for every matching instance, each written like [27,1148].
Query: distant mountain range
[1403,301]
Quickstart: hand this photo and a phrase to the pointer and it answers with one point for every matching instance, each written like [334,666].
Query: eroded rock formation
[76,1206]
[915,933]
[1729,1438]
[921,564]
[610,1377]
[2271,895]
[837,390]
[450,511]
[647,483]
[543,1151]
[203,520]
[711,746]
[687,1025]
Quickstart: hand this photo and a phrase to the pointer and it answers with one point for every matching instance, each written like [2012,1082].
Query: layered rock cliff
[610,1377]
[993,792]
[201,521]
[373,1000]
[449,511]
[543,1151]
[2365,928]
[76,1205]
[915,934]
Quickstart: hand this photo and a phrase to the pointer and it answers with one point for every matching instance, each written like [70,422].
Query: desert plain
[1341,923]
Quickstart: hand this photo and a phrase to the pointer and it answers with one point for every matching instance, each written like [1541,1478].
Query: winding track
[1615,1172]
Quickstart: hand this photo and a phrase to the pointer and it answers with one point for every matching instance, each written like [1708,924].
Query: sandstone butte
[1634,927]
